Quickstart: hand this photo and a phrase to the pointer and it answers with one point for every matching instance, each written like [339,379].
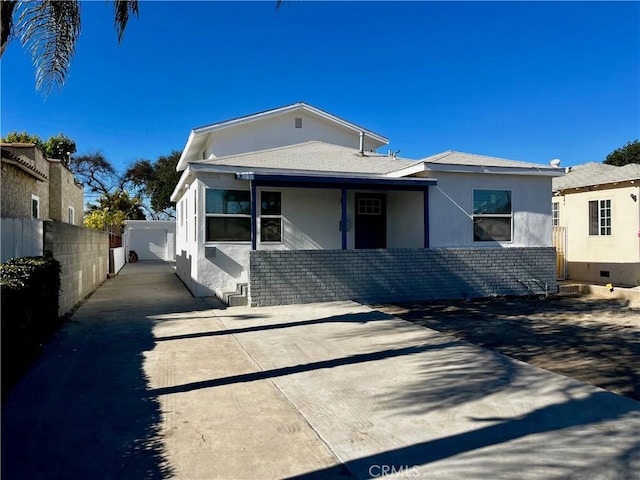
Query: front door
[371,220]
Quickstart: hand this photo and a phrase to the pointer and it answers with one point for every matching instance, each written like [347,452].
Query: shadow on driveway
[83,410]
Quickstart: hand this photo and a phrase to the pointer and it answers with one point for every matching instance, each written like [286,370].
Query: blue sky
[529,81]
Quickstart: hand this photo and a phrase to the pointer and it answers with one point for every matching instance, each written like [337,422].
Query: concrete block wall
[83,254]
[306,276]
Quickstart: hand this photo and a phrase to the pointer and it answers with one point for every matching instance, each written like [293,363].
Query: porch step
[238,297]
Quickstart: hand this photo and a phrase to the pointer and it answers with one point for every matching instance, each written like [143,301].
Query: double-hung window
[600,217]
[555,212]
[492,216]
[270,217]
[228,215]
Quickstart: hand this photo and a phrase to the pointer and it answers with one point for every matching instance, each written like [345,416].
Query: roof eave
[494,170]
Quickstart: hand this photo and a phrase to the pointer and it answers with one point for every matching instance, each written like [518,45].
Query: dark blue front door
[371,220]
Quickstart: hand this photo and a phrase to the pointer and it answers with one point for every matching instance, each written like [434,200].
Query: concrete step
[238,297]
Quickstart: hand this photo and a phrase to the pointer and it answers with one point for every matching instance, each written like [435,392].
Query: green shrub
[29,293]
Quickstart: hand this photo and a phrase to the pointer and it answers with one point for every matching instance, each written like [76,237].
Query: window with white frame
[600,217]
[185,214]
[35,206]
[72,215]
[492,216]
[227,215]
[195,216]
[555,213]
[271,217]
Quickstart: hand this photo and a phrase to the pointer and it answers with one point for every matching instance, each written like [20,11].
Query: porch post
[254,224]
[425,194]
[343,220]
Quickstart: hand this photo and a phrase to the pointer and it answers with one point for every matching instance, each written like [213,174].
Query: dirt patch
[590,339]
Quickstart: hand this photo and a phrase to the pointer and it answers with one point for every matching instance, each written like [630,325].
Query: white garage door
[149,244]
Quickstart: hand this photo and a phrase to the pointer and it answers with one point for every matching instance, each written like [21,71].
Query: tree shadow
[566,335]
[83,410]
[475,453]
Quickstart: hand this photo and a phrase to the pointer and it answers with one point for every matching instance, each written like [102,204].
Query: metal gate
[560,242]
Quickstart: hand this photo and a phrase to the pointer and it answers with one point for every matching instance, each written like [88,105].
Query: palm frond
[50,29]
[6,19]
[124,8]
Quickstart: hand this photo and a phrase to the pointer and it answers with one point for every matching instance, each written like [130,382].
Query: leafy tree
[58,146]
[622,156]
[24,137]
[50,30]
[101,219]
[113,209]
[156,181]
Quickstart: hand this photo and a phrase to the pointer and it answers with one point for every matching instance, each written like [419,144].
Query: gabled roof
[21,163]
[592,174]
[198,136]
[306,158]
[313,156]
[453,161]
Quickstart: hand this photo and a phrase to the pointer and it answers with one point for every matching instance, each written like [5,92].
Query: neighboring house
[295,205]
[598,208]
[34,186]
[150,239]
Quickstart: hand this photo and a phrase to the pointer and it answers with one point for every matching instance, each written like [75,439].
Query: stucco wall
[84,257]
[617,254]
[451,209]
[280,131]
[290,277]
[17,188]
[64,193]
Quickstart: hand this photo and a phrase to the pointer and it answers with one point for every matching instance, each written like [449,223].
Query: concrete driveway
[148,382]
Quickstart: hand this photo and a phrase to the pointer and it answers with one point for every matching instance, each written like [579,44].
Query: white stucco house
[296,205]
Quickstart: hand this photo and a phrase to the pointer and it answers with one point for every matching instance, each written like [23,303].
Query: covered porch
[368,215]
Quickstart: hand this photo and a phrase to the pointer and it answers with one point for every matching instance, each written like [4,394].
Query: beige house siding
[17,189]
[64,193]
[611,258]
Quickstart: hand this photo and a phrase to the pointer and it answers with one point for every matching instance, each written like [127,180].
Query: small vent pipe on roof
[361,143]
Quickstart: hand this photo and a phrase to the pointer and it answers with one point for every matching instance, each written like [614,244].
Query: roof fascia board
[407,171]
[282,110]
[175,196]
[598,187]
[454,168]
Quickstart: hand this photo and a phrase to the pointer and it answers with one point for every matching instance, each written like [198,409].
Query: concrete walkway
[148,382]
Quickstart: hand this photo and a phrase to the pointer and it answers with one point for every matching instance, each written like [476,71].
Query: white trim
[492,215]
[37,199]
[71,215]
[199,132]
[455,168]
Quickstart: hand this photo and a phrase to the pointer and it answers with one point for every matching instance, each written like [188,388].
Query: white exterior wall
[168,225]
[311,219]
[451,209]
[405,219]
[280,131]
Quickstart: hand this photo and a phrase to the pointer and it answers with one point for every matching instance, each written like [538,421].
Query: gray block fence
[370,276]
[83,254]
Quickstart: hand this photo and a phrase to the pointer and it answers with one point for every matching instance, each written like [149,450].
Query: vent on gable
[298,122]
